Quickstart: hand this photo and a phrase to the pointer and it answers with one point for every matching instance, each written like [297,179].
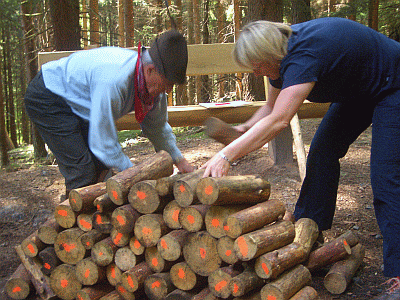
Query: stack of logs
[148,234]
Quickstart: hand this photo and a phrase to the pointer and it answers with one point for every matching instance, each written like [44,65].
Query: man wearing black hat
[75,101]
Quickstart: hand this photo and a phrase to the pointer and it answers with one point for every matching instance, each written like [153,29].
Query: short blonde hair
[261,41]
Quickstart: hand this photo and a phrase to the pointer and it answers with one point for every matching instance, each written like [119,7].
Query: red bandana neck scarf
[143,102]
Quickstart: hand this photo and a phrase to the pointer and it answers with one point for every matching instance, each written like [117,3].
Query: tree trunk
[150,228]
[48,231]
[94,292]
[49,259]
[90,238]
[81,199]
[184,278]
[124,217]
[245,282]
[103,252]
[155,261]
[3,138]
[129,24]
[134,278]
[170,245]
[216,216]
[219,280]
[171,214]
[19,286]
[185,188]
[192,217]
[220,131]
[125,259]
[158,286]
[89,273]
[68,247]
[373,11]
[64,283]
[225,248]
[94,22]
[306,233]
[306,293]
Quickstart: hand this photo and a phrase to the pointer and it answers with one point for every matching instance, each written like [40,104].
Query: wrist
[221,154]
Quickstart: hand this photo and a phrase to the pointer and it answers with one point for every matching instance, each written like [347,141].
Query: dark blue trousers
[339,128]
[65,134]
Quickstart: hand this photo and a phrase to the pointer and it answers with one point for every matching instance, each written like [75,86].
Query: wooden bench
[211,59]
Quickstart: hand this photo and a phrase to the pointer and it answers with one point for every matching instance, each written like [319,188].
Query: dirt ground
[32,193]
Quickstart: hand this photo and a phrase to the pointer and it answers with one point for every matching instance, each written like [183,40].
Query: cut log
[102,222]
[144,197]
[247,189]
[64,215]
[226,250]
[329,253]
[84,222]
[89,273]
[124,293]
[253,218]
[158,285]
[253,244]
[32,245]
[216,216]
[88,239]
[306,233]
[180,295]
[171,215]
[150,228]
[205,294]
[133,279]
[184,278]
[350,237]
[120,239]
[341,272]
[49,260]
[125,259]
[103,252]
[64,283]
[112,296]
[250,296]
[218,281]
[39,280]
[48,231]
[220,131]
[192,217]
[104,204]
[81,199]
[270,265]
[185,188]
[165,185]
[68,247]
[113,274]
[136,247]
[156,262]
[200,253]
[245,283]
[306,293]
[170,245]
[94,292]
[157,166]
[288,284]
[124,218]
[19,286]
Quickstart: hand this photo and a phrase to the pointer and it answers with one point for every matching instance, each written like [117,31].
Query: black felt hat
[170,56]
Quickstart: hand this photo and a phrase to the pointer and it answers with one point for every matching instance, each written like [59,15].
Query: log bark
[104,204]
[170,245]
[112,296]
[220,131]
[119,238]
[133,279]
[64,283]
[270,265]
[158,166]
[329,253]
[144,197]
[288,284]
[248,189]
[253,218]
[49,260]
[253,244]
[165,186]
[124,293]
[184,278]
[125,259]
[180,295]
[136,247]
[123,218]
[306,233]
[205,294]
[94,292]
[245,283]
[68,247]
[200,253]
[32,245]
[89,273]
[216,216]
[158,285]
[48,231]
[185,188]
[102,222]
[225,248]
[64,215]
[19,286]
[150,228]
[113,274]
[350,237]
[250,296]
[81,199]
[306,293]
[84,222]
[103,252]
[192,217]
[88,239]
[218,281]
[156,262]
[341,272]
[171,215]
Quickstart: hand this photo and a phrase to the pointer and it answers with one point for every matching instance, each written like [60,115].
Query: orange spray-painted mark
[130,282]
[154,262]
[175,215]
[62,213]
[215,222]
[265,268]
[47,266]
[87,273]
[115,195]
[220,285]
[121,220]
[73,200]
[88,244]
[121,289]
[113,275]
[141,195]
[270,297]
[118,238]
[163,244]
[31,249]
[98,207]
[181,273]
[235,288]
[147,231]
[100,253]
[243,248]
[345,242]
[226,228]
[136,244]
[156,284]
[64,283]
[69,247]
[16,289]
[182,188]
[208,190]
[79,297]
[202,253]
[228,252]
[190,219]
[99,220]
[85,224]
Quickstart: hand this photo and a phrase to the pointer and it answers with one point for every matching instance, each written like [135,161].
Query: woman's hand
[217,166]
[241,128]
[183,166]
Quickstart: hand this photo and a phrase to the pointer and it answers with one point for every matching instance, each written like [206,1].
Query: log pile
[145,234]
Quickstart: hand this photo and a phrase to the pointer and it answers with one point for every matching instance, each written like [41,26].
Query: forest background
[31,26]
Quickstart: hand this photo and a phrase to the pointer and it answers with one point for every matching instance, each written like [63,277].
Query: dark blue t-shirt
[347,60]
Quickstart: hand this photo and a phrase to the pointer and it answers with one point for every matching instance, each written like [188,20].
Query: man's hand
[183,165]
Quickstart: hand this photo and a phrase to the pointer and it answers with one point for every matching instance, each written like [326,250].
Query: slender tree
[3,134]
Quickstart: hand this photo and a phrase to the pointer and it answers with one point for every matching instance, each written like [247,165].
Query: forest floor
[30,192]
